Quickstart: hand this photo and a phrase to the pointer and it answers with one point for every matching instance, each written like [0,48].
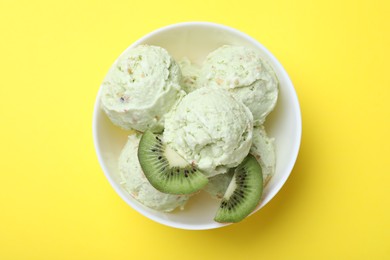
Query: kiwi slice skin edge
[243,193]
[161,174]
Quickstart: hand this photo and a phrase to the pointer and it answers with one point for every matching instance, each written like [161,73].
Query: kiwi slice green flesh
[243,193]
[182,179]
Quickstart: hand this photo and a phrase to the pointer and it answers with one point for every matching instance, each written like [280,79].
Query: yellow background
[55,202]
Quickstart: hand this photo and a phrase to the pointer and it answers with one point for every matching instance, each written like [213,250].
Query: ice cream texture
[141,87]
[211,129]
[263,149]
[218,184]
[135,183]
[191,73]
[243,72]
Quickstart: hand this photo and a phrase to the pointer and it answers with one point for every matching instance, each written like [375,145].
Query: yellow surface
[55,202]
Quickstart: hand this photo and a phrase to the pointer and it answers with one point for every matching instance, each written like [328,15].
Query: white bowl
[195,40]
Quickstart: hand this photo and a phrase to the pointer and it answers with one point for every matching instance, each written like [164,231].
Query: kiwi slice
[243,193]
[165,169]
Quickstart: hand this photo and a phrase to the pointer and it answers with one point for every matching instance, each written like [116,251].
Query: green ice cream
[244,73]
[142,85]
[210,129]
[135,183]
[218,184]
[190,74]
[263,149]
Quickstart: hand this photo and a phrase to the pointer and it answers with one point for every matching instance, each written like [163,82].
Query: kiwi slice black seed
[173,177]
[243,194]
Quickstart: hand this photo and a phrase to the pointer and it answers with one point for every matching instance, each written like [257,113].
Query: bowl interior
[196,41]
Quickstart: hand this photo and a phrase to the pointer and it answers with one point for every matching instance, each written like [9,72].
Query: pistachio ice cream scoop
[136,184]
[142,85]
[243,72]
[211,129]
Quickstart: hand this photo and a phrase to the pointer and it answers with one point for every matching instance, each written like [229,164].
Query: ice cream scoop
[243,72]
[142,85]
[135,183]
[211,129]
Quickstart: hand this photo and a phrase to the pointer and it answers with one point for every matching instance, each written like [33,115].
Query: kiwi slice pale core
[165,169]
[243,193]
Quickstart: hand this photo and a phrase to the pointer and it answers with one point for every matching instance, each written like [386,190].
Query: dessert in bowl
[195,41]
